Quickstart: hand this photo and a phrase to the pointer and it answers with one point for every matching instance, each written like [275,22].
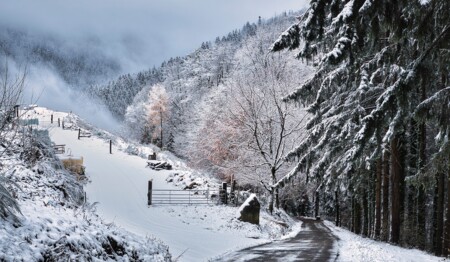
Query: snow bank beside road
[352,247]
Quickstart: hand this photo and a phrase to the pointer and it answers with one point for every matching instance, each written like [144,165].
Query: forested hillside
[195,74]
[220,107]
[378,145]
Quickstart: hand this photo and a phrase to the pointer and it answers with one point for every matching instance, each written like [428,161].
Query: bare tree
[270,127]
[10,95]
[245,128]
[270,130]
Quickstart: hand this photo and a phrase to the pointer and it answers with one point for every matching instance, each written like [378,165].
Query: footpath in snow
[354,248]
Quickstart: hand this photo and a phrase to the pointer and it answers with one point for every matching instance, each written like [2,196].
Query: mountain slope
[55,223]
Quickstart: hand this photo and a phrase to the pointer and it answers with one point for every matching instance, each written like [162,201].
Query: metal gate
[183,197]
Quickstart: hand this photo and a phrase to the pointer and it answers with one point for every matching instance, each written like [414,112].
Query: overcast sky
[146,31]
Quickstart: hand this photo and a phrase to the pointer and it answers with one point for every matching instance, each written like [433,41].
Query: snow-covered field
[355,248]
[118,182]
[116,219]
[55,225]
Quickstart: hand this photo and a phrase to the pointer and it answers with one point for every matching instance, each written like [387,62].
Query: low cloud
[45,88]
[143,32]
[138,34]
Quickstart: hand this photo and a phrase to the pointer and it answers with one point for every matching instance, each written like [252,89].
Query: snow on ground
[352,247]
[54,226]
[118,182]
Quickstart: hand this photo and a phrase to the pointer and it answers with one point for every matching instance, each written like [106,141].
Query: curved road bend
[314,243]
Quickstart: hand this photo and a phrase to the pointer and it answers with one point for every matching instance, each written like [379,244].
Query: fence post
[79,133]
[51,119]
[232,191]
[152,156]
[59,122]
[223,193]
[63,124]
[16,110]
[110,146]
[149,194]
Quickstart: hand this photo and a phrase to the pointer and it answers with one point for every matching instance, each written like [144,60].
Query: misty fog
[111,37]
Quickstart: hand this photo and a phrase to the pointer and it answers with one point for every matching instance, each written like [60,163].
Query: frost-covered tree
[213,142]
[377,62]
[245,129]
[268,130]
[136,122]
[271,127]
[158,111]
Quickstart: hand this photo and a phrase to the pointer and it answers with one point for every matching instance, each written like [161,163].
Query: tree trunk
[371,199]
[385,222]
[410,222]
[336,198]
[378,200]
[439,214]
[274,192]
[357,216]
[271,201]
[396,189]
[366,213]
[316,207]
[161,123]
[421,198]
[353,216]
[446,246]
[277,199]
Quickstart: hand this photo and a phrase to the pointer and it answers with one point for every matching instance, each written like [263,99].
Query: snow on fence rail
[29,122]
[215,195]
[183,197]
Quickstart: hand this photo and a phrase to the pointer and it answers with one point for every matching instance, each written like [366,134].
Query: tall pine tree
[370,57]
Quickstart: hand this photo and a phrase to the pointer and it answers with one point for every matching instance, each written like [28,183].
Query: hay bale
[74,164]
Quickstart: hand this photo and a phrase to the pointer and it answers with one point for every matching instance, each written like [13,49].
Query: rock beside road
[249,211]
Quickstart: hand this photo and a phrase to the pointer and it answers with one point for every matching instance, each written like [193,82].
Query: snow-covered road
[314,243]
[119,185]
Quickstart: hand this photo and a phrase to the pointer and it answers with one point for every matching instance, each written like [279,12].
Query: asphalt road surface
[314,243]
